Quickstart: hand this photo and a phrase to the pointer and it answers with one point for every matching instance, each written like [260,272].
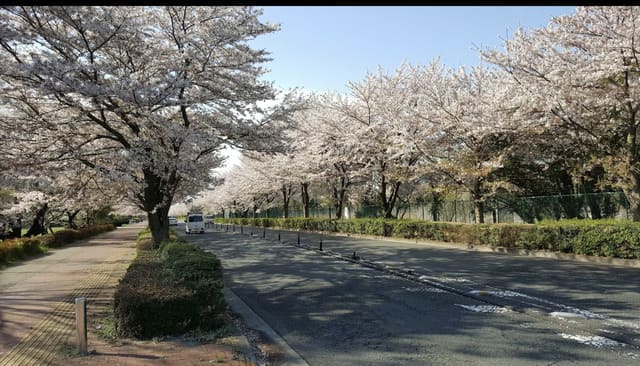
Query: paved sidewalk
[36,297]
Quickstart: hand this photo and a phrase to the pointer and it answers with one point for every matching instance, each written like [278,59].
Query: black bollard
[298,238]
[264,233]
[278,236]
[320,244]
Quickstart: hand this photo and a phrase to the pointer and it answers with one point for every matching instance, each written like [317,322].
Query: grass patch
[107,329]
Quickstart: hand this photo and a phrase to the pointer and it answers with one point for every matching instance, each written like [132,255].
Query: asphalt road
[454,308]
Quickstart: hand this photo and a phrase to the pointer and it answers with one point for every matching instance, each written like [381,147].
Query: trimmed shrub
[63,237]
[611,238]
[67,236]
[11,250]
[22,248]
[170,291]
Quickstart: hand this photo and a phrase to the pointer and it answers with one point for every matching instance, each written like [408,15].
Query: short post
[278,235]
[298,238]
[81,324]
[320,244]
[241,229]
[264,233]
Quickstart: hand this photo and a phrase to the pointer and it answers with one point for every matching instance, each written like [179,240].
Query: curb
[254,321]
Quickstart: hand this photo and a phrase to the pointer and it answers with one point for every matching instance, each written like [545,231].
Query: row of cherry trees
[563,98]
[141,98]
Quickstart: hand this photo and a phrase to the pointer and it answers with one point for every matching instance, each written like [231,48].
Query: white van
[194,223]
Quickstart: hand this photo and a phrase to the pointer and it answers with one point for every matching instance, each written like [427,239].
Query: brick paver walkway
[37,297]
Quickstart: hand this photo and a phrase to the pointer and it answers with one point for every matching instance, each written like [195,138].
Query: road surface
[429,305]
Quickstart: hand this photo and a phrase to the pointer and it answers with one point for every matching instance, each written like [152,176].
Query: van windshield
[195,218]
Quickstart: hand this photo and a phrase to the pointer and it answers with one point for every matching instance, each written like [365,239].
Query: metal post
[264,233]
[81,324]
[320,244]
[241,229]
[298,238]
[278,235]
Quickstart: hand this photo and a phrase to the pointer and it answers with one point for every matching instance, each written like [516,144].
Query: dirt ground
[104,349]
[167,352]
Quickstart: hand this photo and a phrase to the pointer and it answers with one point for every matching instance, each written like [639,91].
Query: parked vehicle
[194,223]
[208,221]
[173,221]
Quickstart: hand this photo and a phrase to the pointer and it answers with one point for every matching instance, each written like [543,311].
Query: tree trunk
[382,197]
[286,196]
[159,225]
[304,193]
[158,194]
[479,211]
[594,206]
[570,204]
[339,193]
[37,227]
[633,196]
[392,200]
[436,205]
[71,219]
[478,201]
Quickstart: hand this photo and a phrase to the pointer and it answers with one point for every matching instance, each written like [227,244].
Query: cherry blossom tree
[383,126]
[244,188]
[330,138]
[580,74]
[145,96]
[473,128]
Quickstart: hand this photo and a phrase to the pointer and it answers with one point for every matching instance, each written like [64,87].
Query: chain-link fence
[504,209]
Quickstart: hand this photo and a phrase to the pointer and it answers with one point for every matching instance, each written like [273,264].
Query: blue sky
[321,48]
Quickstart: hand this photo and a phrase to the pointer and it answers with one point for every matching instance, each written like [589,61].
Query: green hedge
[610,238]
[67,236]
[170,291]
[22,248]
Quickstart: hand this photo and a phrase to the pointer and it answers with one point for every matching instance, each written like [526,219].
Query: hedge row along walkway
[36,297]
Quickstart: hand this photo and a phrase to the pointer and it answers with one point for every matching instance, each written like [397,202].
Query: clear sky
[321,48]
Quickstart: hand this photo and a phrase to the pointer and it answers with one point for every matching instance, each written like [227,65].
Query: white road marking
[596,341]
[484,308]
